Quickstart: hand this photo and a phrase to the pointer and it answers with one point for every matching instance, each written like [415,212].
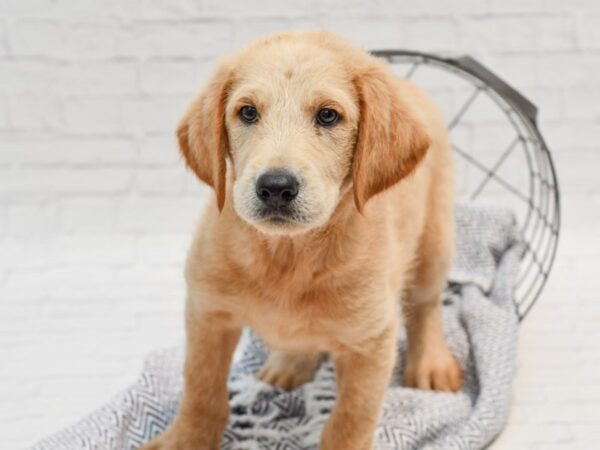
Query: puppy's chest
[294,318]
[301,304]
[288,327]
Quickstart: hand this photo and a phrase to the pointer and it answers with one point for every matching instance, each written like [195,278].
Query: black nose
[277,188]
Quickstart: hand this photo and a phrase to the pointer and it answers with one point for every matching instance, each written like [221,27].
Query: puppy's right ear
[202,134]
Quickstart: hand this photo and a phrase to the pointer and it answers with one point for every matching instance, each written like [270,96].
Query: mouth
[277,220]
[280,216]
[275,216]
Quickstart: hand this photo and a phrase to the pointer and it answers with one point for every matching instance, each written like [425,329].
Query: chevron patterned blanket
[481,326]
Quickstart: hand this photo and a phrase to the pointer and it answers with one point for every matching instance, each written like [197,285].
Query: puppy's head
[300,117]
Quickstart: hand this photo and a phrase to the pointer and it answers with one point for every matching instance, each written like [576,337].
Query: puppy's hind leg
[430,365]
[288,370]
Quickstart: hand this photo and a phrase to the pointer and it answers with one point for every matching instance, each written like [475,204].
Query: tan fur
[377,223]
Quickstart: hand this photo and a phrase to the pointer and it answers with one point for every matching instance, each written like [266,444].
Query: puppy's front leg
[363,377]
[204,409]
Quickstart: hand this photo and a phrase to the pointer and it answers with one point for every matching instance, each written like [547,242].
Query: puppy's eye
[248,114]
[327,117]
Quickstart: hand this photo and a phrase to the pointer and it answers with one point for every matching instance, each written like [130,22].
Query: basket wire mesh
[502,156]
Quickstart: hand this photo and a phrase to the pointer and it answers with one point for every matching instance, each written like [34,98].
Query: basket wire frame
[538,195]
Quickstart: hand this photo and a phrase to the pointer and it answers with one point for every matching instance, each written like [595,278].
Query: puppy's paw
[435,368]
[289,370]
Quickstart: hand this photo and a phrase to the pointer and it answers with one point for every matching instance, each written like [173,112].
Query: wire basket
[502,157]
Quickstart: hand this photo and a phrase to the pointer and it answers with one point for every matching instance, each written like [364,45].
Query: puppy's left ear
[391,139]
[202,134]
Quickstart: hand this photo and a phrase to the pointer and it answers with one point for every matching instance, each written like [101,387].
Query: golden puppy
[334,198]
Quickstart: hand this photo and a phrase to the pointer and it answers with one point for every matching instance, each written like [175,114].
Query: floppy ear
[202,134]
[391,140]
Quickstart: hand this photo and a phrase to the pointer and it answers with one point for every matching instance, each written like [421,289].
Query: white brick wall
[96,209]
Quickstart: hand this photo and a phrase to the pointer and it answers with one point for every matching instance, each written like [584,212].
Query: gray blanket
[481,326]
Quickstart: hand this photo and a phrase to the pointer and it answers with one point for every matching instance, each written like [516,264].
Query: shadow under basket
[502,158]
